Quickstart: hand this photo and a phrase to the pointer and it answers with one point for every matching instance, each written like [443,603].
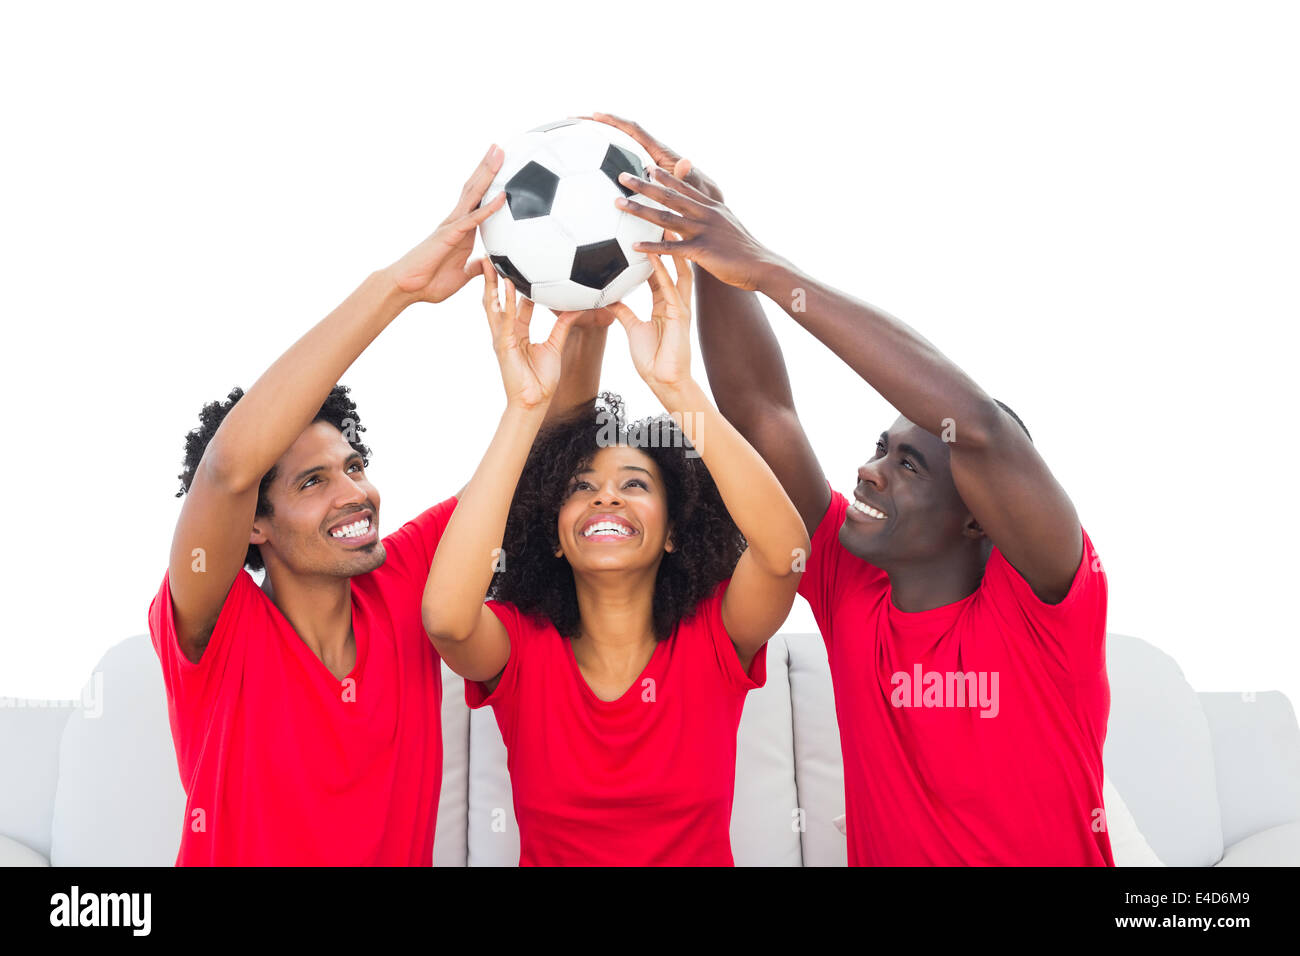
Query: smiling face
[905,508]
[615,517]
[324,512]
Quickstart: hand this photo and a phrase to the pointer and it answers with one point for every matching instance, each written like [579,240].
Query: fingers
[662,280]
[659,153]
[660,217]
[665,195]
[626,317]
[675,249]
[677,181]
[560,331]
[476,217]
[479,181]
[685,277]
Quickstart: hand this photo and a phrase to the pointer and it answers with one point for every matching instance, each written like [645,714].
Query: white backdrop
[1092,208]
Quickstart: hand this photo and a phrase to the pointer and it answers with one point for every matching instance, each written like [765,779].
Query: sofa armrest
[30,731]
[1256,745]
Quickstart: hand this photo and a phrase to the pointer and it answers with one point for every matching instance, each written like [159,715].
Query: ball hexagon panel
[584,206]
[541,249]
[566,295]
[626,281]
[531,191]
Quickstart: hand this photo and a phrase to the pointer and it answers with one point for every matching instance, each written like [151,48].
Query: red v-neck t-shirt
[1004,767]
[644,780]
[283,763]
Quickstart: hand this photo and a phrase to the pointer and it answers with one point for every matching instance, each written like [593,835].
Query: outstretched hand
[661,348]
[530,371]
[709,233]
[438,267]
[663,156]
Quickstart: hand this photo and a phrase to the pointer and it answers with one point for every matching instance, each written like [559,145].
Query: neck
[939,581]
[319,608]
[617,615]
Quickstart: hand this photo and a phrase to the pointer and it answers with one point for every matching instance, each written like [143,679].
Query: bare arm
[217,515]
[764,583]
[997,471]
[466,633]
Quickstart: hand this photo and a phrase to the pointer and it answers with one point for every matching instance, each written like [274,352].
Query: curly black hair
[339,410]
[707,543]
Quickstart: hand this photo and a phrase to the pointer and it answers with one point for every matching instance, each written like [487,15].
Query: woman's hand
[530,371]
[661,348]
[437,267]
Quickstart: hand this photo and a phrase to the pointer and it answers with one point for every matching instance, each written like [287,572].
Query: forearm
[761,509]
[908,371]
[742,357]
[584,354]
[287,396]
[463,566]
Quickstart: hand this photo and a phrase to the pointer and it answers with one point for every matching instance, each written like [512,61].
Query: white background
[1094,209]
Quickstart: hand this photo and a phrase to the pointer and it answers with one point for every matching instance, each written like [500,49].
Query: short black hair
[1007,408]
[706,542]
[339,410]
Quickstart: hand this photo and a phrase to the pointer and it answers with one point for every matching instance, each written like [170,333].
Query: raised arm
[997,471]
[217,515]
[763,585]
[466,633]
[742,358]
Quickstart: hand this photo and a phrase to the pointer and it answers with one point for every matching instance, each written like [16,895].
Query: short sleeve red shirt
[283,763]
[942,768]
[645,780]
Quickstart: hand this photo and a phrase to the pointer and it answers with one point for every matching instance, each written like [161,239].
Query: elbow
[987,428]
[442,628]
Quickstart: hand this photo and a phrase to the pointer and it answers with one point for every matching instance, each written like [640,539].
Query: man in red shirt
[962,604]
[306,712]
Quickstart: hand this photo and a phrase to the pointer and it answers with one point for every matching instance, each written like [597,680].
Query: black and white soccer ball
[559,237]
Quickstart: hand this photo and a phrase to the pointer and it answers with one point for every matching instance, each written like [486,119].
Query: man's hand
[439,266]
[710,234]
[666,158]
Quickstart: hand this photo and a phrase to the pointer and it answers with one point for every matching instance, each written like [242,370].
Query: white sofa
[1207,779]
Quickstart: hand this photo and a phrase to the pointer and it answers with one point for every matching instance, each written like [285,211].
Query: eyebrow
[907,449]
[315,468]
[588,471]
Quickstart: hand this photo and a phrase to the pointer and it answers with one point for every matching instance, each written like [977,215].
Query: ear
[257,535]
[972,528]
[669,546]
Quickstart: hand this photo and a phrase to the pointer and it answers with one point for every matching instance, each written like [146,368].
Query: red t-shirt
[283,763]
[929,780]
[645,780]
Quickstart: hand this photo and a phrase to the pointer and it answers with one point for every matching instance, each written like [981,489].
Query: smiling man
[306,712]
[958,571]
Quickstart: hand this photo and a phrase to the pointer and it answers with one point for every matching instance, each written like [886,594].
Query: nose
[606,496]
[869,473]
[350,493]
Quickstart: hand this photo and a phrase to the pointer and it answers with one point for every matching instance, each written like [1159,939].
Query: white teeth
[868,510]
[607,527]
[354,530]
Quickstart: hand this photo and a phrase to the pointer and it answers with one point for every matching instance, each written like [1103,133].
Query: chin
[368,560]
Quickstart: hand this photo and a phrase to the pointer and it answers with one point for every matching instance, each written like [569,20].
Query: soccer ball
[559,237]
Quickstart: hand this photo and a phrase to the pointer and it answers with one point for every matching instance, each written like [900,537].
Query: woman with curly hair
[636,574]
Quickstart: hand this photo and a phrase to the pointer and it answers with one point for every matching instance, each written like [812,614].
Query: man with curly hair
[962,604]
[306,713]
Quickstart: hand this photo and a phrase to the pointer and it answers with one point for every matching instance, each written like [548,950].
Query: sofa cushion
[764,820]
[1276,846]
[13,853]
[30,732]
[1256,760]
[119,800]
[818,762]
[450,847]
[1159,756]
[1128,847]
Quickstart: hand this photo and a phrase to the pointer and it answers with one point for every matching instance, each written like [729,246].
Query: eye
[638,482]
[880,447]
[908,464]
[307,483]
[357,465]
[579,485]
